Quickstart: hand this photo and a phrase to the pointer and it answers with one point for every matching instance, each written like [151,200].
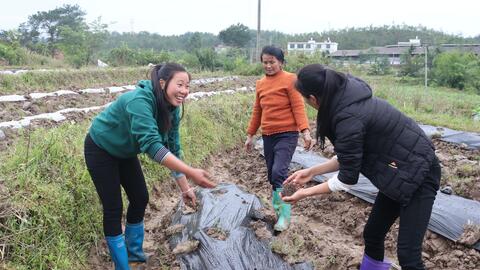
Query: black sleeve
[349,133]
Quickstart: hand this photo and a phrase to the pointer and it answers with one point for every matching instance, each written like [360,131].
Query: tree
[50,23]
[411,65]
[207,58]
[379,66]
[195,42]
[80,46]
[96,37]
[122,56]
[74,46]
[237,35]
[10,37]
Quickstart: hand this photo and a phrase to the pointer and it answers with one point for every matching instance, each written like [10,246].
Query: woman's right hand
[249,143]
[295,197]
[201,178]
[299,178]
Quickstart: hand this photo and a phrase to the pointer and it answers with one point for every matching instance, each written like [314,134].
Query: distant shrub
[379,66]
[243,67]
[11,55]
[295,62]
[458,70]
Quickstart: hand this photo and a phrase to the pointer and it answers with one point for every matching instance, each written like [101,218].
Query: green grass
[437,106]
[58,211]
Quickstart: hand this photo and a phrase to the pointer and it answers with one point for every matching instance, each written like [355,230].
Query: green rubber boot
[283,216]
[276,201]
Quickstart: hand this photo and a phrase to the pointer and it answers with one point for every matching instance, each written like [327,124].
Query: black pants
[278,150]
[108,174]
[414,220]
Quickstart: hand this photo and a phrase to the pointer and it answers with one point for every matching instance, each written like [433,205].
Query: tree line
[64,33]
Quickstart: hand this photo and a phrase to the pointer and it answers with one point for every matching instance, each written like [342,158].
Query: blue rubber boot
[118,251]
[134,234]
[284,212]
[371,264]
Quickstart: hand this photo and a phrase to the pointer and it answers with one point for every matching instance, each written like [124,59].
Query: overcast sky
[174,17]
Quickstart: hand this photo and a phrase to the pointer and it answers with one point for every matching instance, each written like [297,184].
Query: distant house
[220,48]
[312,46]
[394,52]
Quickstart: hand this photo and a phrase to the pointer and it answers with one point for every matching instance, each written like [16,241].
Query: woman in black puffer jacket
[373,138]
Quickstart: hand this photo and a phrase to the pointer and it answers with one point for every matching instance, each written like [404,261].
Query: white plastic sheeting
[13,72]
[12,98]
[92,91]
[52,94]
[198,95]
[55,116]
[212,80]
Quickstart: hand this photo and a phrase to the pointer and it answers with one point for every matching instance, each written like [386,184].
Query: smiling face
[271,65]
[177,89]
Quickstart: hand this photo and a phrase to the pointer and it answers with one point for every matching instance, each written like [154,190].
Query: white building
[411,42]
[312,46]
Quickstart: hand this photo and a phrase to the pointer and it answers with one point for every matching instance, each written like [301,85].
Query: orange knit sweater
[278,106]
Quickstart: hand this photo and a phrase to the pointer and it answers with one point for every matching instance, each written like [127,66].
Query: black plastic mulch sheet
[450,213]
[230,209]
[472,140]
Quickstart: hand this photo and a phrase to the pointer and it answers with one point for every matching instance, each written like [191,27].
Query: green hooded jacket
[129,126]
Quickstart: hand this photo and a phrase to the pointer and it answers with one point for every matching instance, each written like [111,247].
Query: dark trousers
[108,174]
[414,220]
[278,150]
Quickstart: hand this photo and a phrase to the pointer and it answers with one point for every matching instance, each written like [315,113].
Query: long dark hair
[322,83]
[164,72]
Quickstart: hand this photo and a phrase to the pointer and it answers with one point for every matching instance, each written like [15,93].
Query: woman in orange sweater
[280,112]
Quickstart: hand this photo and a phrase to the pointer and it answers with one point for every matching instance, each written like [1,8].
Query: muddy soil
[460,169]
[326,230]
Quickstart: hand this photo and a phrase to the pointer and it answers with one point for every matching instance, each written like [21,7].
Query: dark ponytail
[323,84]
[164,72]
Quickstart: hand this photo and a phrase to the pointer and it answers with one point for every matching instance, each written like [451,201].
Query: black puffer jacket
[372,137]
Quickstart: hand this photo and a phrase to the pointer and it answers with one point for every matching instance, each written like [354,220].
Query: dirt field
[326,230]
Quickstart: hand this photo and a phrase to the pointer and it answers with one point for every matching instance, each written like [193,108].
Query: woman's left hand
[187,192]
[295,197]
[307,140]
[189,197]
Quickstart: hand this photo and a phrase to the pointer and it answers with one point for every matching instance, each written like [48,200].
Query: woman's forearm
[175,164]
[318,189]
[327,167]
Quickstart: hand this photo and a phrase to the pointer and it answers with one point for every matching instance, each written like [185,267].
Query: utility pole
[426,66]
[257,51]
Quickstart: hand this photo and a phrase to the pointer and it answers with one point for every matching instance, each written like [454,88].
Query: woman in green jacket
[145,120]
